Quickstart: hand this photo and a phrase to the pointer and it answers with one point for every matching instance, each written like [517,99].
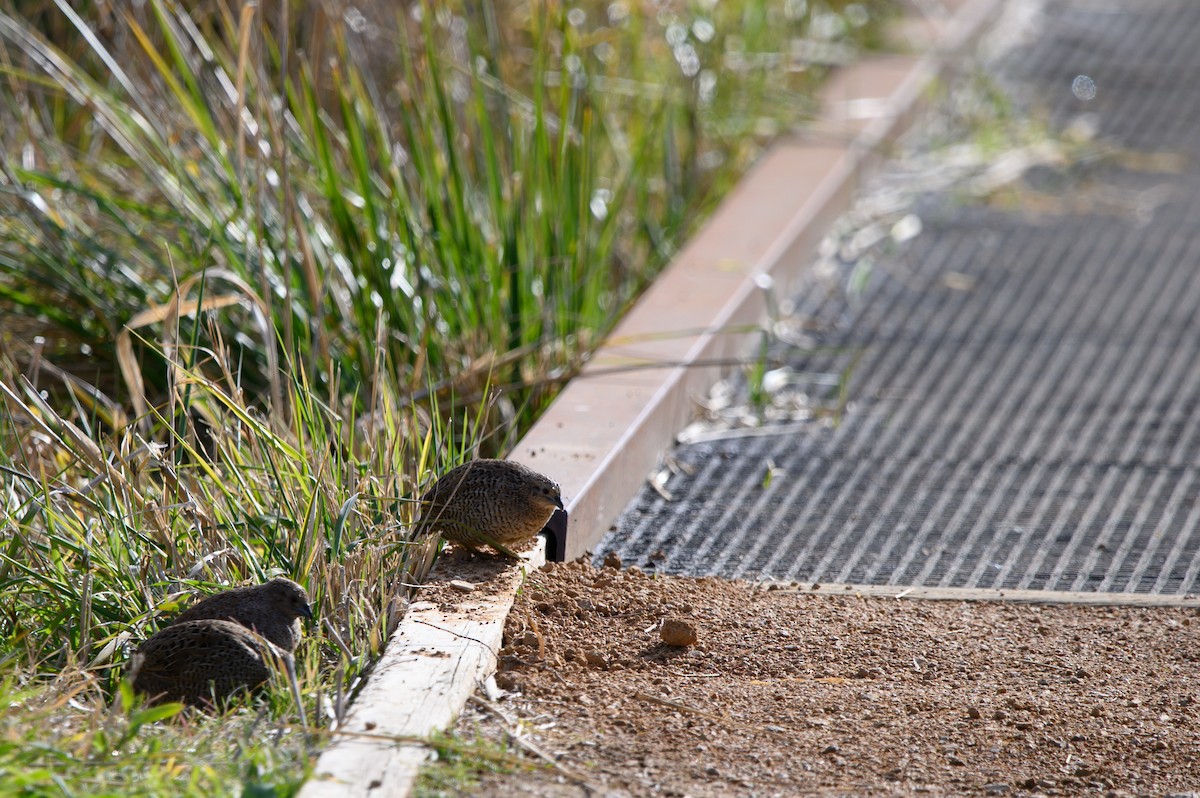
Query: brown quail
[201,662]
[273,609]
[497,503]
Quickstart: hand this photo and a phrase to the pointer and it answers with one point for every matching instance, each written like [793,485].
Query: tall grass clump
[456,192]
[264,268]
[109,532]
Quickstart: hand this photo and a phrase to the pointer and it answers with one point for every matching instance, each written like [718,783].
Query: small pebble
[528,639]
[461,586]
[973,713]
[678,633]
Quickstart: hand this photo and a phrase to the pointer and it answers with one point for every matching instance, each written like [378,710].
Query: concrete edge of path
[435,660]
[611,424]
[1011,596]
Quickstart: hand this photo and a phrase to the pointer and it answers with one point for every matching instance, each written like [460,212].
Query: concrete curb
[610,425]
[435,660]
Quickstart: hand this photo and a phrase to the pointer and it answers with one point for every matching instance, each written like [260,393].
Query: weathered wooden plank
[436,659]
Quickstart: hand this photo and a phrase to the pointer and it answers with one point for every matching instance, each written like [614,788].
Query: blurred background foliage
[439,195]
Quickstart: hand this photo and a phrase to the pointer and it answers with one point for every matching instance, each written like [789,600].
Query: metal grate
[1024,384]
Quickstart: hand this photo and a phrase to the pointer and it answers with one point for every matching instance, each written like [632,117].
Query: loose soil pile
[792,694]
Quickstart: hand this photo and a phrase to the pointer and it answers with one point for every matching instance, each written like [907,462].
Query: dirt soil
[791,694]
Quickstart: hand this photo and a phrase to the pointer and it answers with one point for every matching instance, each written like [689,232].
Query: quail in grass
[496,503]
[202,662]
[273,609]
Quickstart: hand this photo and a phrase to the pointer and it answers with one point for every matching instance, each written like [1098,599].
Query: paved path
[1011,398]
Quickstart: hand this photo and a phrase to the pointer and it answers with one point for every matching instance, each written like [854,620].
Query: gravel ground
[791,694]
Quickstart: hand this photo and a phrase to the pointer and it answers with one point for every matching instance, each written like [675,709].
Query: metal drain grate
[1024,384]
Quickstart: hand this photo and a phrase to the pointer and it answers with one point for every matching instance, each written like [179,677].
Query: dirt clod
[678,633]
[506,680]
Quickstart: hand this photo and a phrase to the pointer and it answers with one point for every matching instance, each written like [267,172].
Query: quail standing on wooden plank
[273,609]
[201,662]
[496,503]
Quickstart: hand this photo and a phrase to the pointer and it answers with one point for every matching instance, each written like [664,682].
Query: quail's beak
[558,503]
[306,611]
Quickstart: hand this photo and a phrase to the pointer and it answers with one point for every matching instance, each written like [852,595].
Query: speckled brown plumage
[199,662]
[273,609]
[496,503]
